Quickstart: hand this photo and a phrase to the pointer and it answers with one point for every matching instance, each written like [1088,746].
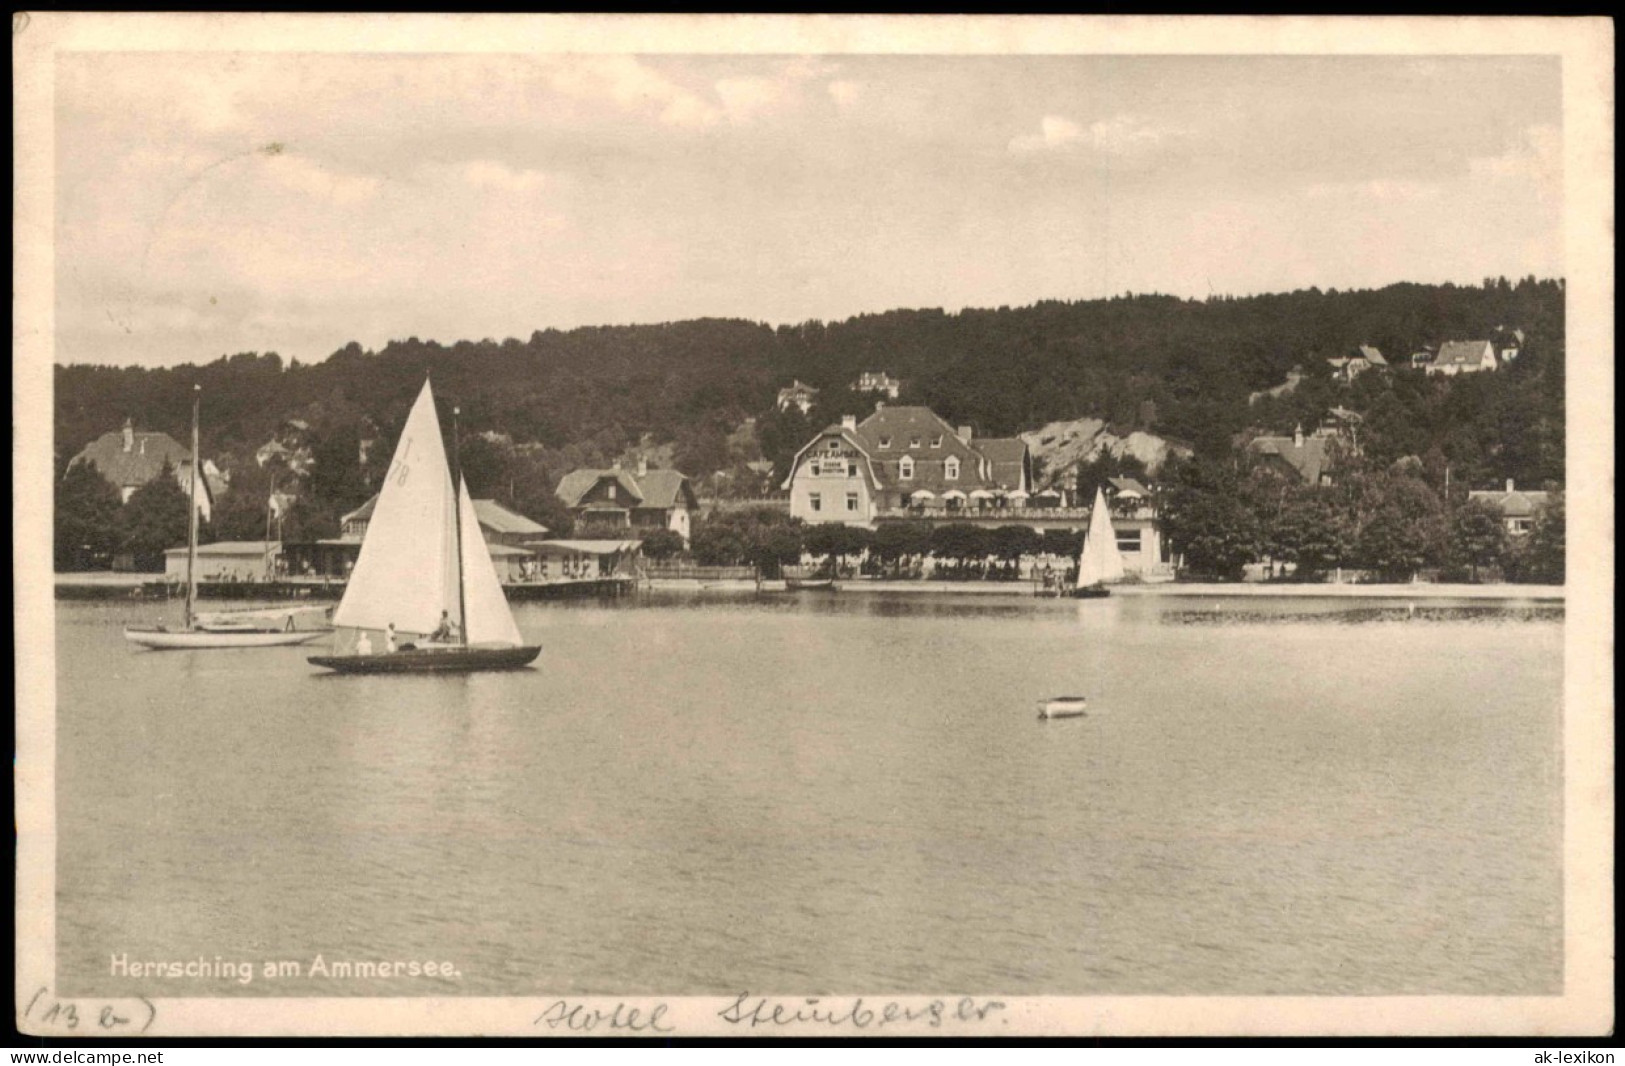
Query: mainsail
[489,619]
[1099,562]
[407,573]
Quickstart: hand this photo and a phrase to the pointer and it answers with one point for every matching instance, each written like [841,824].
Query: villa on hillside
[1346,368]
[797,395]
[878,382]
[130,458]
[1311,459]
[629,503]
[1462,357]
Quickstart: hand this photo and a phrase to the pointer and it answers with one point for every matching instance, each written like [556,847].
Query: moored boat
[424,596]
[1063,707]
[231,630]
[810,584]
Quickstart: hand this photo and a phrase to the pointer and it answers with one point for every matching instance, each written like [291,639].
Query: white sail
[489,620]
[1099,561]
[407,572]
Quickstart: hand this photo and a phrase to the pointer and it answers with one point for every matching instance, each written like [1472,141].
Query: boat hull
[435,661]
[1093,592]
[1063,707]
[809,585]
[182,639]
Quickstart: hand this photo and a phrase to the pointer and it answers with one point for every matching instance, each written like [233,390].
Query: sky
[209,204]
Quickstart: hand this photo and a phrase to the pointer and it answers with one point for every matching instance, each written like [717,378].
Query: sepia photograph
[906,527]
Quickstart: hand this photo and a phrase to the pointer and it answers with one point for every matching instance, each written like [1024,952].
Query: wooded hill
[587,394]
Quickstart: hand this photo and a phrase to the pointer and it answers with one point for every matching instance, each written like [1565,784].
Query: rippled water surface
[703,794]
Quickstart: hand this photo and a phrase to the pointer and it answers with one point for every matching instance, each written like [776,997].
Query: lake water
[707,793]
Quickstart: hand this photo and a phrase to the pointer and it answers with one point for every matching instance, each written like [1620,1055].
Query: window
[905,469]
[851,501]
[816,502]
[914,442]
[951,469]
[812,468]
[834,445]
[1128,540]
[936,442]
[612,490]
[851,469]
[885,442]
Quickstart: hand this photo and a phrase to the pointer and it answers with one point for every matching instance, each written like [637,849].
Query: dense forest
[534,408]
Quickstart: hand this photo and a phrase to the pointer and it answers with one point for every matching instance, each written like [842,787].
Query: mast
[457,508]
[191,524]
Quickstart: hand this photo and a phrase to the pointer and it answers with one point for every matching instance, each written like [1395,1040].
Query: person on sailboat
[363,645]
[446,631]
[389,639]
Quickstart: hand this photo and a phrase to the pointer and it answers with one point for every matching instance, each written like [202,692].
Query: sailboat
[267,628]
[1099,561]
[424,596]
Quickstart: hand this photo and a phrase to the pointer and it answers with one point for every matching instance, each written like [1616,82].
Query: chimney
[1297,436]
[964,433]
[129,436]
[643,465]
[1509,485]
[849,423]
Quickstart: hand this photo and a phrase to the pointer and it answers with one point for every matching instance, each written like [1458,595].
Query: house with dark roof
[130,458]
[797,395]
[901,461]
[1462,357]
[1346,368]
[1310,459]
[1518,508]
[629,503]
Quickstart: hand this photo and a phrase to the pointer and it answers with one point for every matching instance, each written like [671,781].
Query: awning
[1018,495]
[922,494]
[980,494]
[953,494]
[589,547]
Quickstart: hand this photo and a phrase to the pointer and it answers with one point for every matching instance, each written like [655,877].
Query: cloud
[1386,190]
[745,98]
[487,174]
[632,86]
[1537,157]
[844,93]
[318,182]
[1122,136]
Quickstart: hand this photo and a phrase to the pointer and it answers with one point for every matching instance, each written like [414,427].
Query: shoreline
[1024,589]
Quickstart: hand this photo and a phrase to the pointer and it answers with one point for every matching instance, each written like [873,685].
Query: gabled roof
[133,468]
[899,426]
[577,483]
[1462,353]
[652,488]
[1372,355]
[499,519]
[1310,459]
[1127,485]
[1515,504]
[490,514]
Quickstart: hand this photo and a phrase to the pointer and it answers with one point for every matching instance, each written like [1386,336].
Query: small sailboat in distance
[1099,562]
[424,596]
[264,628]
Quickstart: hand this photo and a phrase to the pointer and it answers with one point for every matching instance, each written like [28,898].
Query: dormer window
[905,469]
[936,442]
[951,469]
[914,442]
[885,442]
